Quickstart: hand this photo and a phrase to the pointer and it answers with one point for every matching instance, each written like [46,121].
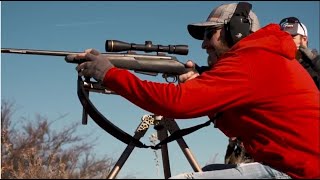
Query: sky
[46,85]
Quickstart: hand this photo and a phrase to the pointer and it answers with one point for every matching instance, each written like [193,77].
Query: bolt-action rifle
[168,66]
[147,64]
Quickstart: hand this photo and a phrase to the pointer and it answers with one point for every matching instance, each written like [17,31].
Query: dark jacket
[312,66]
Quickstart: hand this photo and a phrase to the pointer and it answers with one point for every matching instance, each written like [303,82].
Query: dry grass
[34,150]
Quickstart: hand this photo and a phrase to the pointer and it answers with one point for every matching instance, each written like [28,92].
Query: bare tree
[34,150]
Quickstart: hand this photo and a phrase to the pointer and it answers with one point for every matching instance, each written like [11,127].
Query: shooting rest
[163,126]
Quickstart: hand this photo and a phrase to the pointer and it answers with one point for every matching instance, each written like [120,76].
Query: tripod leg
[162,134]
[184,147]
[126,153]
[84,113]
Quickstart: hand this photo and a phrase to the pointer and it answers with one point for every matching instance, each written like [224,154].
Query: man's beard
[211,60]
[221,48]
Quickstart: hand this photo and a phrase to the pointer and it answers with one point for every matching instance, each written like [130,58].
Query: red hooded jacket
[267,98]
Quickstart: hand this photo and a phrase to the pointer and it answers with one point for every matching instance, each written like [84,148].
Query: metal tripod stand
[163,126]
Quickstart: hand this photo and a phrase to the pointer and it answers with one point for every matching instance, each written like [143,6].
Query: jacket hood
[270,38]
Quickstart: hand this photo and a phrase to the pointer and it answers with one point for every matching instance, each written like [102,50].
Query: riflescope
[117,46]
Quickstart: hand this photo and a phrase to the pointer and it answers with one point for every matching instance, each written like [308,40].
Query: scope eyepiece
[117,46]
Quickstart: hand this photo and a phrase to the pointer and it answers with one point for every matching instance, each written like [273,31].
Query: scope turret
[117,46]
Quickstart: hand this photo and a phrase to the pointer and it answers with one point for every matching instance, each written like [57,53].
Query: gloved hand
[307,52]
[311,58]
[96,65]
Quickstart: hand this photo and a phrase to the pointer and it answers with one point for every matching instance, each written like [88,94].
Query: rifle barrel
[37,52]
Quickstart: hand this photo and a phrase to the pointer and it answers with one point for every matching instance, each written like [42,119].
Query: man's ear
[304,41]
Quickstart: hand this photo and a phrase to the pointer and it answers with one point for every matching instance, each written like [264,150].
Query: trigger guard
[173,81]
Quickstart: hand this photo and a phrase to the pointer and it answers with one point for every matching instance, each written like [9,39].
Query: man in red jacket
[265,97]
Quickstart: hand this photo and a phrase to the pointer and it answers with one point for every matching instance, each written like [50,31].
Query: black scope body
[117,46]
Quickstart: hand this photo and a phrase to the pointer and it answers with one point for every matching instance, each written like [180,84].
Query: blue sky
[47,85]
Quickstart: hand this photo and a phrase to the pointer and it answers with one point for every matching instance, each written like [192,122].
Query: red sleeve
[223,87]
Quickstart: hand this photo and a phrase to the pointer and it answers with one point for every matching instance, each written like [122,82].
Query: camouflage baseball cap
[218,17]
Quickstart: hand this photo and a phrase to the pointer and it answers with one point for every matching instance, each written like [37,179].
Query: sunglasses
[290,20]
[210,31]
